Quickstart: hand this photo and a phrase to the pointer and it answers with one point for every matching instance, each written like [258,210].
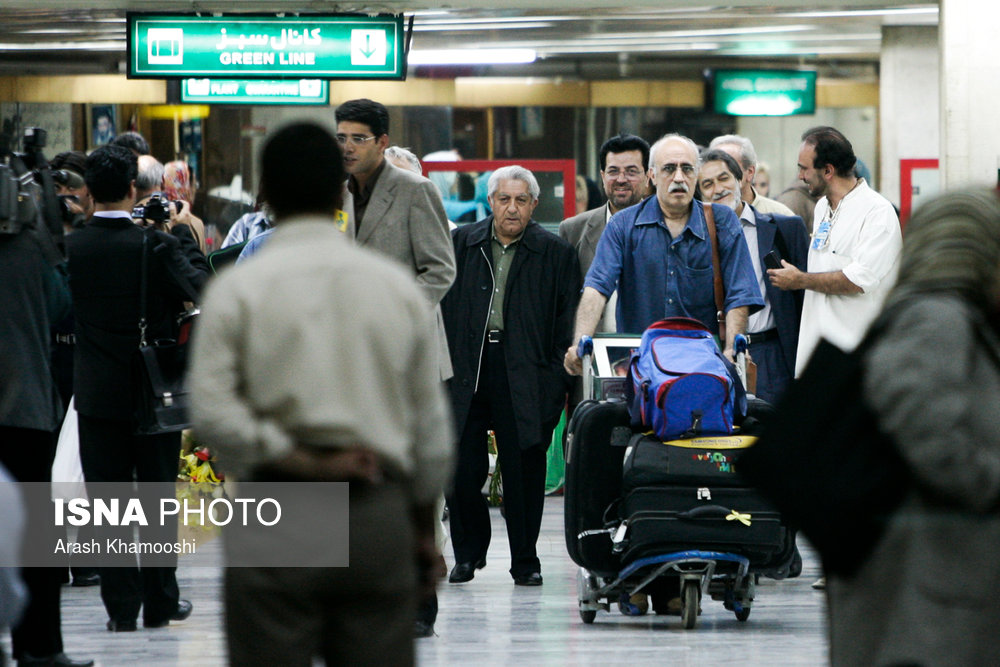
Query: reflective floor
[489,621]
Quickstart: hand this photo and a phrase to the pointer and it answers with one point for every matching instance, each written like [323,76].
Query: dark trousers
[110,452]
[522,469]
[357,615]
[28,455]
[773,376]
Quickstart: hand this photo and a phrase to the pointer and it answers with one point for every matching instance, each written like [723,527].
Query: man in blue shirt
[659,256]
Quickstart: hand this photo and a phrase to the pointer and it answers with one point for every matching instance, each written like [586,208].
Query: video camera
[28,190]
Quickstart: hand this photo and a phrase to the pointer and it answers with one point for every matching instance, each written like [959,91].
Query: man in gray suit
[623,170]
[396,212]
[400,214]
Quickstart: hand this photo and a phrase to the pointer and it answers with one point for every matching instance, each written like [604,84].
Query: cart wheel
[588,615]
[743,614]
[689,603]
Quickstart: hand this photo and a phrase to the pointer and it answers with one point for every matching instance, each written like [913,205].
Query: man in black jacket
[509,318]
[33,295]
[105,264]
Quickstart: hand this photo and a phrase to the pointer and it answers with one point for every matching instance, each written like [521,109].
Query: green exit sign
[764,92]
[255,91]
[251,47]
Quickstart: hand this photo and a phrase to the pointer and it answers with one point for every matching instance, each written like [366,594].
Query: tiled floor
[488,621]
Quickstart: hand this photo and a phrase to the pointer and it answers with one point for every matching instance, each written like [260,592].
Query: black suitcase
[593,482]
[711,461]
[664,519]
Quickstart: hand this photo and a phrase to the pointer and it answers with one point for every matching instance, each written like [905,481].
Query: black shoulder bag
[161,397]
[823,462]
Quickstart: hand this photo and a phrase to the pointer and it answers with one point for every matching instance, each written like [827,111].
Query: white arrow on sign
[368,47]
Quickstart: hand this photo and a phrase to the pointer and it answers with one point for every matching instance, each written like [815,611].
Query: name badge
[822,236]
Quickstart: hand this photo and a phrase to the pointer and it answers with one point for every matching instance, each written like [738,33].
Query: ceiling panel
[665,38]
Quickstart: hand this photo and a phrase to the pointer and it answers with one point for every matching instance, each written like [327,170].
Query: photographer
[105,262]
[33,295]
[68,168]
[154,208]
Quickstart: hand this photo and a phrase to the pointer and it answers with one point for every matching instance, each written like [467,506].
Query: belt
[494,336]
[65,339]
[761,337]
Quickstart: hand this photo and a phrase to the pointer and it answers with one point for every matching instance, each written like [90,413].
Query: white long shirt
[864,243]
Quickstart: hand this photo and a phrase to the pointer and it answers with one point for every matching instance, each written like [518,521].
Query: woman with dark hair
[927,595]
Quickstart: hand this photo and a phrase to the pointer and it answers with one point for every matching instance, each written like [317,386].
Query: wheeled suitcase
[593,483]
[665,518]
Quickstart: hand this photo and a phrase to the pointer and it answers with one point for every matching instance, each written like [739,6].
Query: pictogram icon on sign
[368,47]
[166,46]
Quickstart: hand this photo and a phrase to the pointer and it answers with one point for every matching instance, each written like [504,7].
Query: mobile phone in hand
[772,260]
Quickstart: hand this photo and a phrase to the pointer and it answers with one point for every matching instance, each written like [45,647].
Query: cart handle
[739,343]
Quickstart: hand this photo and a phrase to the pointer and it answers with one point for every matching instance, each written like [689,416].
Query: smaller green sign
[255,91]
[764,92]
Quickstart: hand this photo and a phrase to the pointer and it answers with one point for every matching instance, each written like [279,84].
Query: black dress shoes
[533,579]
[121,626]
[83,580]
[463,572]
[57,660]
[183,611]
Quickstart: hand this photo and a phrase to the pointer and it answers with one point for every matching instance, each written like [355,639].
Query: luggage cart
[722,576]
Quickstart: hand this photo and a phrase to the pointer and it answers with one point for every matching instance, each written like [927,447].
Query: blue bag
[681,385]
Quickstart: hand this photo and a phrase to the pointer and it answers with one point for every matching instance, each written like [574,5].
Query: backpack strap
[720,293]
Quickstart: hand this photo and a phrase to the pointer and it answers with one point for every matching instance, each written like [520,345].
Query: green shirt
[503,257]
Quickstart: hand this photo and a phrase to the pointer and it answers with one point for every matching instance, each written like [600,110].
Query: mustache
[721,195]
[679,187]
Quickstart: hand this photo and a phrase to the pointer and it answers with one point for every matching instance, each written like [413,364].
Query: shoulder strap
[142,289]
[720,293]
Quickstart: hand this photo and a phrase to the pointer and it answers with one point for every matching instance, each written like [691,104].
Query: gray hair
[512,173]
[673,136]
[150,174]
[400,153]
[748,156]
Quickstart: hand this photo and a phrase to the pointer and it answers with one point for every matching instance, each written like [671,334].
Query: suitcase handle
[705,512]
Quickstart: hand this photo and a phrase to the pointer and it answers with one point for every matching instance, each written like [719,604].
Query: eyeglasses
[353,139]
[671,168]
[632,173]
[504,200]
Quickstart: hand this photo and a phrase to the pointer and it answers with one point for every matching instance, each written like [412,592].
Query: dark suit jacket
[786,234]
[583,231]
[540,299]
[105,260]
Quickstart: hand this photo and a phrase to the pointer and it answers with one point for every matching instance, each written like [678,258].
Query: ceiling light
[482,26]
[471,57]
[108,45]
[846,13]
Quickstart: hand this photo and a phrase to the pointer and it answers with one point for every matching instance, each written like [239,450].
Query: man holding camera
[153,207]
[105,264]
[33,295]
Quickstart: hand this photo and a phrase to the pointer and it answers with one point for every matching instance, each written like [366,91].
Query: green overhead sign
[764,92]
[251,47]
[255,91]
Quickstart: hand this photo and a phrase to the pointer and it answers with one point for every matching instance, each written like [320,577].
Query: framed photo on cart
[102,124]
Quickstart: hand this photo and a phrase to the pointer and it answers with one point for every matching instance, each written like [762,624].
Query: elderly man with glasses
[659,256]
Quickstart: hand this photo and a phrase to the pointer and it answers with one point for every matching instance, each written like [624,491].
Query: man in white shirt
[854,252]
[340,381]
